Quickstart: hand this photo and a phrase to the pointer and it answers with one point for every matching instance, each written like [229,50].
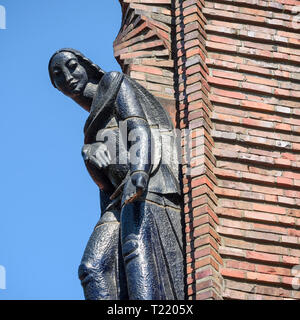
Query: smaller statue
[135,251]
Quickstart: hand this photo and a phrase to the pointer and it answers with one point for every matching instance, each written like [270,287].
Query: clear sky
[49,205]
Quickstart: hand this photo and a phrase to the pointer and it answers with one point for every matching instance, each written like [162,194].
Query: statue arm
[137,134]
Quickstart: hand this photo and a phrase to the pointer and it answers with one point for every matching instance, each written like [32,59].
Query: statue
[135,251]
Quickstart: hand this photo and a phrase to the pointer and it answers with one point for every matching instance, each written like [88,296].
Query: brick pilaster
[199,182]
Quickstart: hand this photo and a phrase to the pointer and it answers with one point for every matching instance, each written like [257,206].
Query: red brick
[262,277]
[233,273]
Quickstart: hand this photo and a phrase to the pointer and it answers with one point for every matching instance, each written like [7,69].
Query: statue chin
[75,92]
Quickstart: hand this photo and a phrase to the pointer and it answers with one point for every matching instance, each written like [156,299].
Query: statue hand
[136,186]
[97,154]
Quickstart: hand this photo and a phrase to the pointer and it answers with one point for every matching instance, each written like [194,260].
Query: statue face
[68,75]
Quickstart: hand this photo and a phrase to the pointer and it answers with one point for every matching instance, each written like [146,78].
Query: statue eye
[56,72]
[72,64]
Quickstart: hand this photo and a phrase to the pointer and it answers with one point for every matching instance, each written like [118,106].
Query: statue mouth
[73,85]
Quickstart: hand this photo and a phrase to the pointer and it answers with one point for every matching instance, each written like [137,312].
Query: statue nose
[68,78]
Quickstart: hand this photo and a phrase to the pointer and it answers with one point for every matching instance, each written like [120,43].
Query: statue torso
[109,131]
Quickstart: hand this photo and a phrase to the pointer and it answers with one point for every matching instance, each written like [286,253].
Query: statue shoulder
[108,77]
[108,82]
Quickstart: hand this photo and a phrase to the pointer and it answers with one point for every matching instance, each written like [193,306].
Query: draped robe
[135,251]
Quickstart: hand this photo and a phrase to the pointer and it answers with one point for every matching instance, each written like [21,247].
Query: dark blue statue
[135,251]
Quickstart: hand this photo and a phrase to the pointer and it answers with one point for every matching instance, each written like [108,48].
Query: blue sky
[49,204]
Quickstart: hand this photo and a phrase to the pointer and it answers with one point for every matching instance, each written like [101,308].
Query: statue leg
[100,269]
[143,279]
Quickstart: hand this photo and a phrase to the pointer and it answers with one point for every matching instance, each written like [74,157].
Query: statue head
[70,72]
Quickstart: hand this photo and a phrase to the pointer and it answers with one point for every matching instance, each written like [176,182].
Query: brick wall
[229,71]
[254,72]
[143,47]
